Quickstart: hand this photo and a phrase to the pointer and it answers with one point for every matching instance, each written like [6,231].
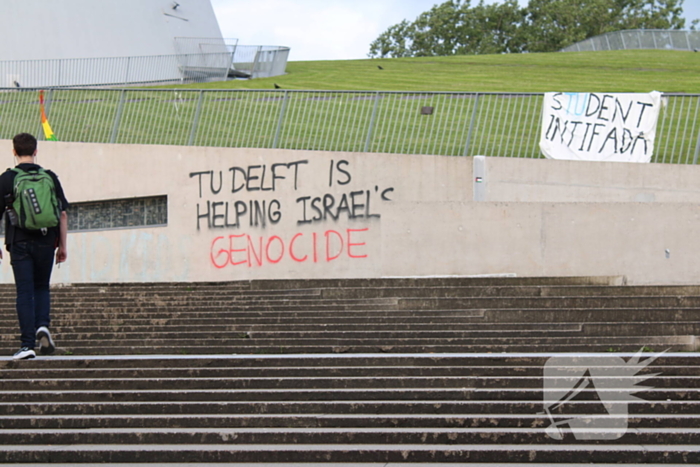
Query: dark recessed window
[118,213]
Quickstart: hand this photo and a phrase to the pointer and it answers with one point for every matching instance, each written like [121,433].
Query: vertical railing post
[195,121]
[278,132]
[697,150]
[697,145]
[128,65]
[370,131]
[118,117]
[255,61]
[471,125]
[49,101]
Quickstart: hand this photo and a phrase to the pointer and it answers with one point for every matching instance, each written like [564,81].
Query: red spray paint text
[312,247]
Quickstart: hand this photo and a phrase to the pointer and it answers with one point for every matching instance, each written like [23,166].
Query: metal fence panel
[439,123]
[114,71]
[639,39]
[206,62]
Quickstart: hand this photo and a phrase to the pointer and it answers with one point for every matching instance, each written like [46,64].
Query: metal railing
[213,62]
[115,70]
[247,61]
[438,123]
[260,61]
[639,39]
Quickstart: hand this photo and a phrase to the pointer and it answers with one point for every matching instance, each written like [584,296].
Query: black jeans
[32,262]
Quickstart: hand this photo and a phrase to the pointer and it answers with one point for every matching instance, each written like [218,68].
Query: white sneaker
[24,353]
[46,345]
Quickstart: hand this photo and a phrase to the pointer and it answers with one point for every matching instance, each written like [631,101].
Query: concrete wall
[512,179]
[320,214]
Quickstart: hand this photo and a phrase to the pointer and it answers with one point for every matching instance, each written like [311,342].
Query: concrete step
[521,371]
[348,436]
[684,345]
[497,291]
[404,302]
[234,340]
[354,464]
[331,331]
[536,315]
[417,331]
[319,382]
[83,294]
[672,343]
[371,401]
[506,361]
[485,407]
[310,420]
[436,282]
[423,453]
[268,305]
[148,331]
[558,303]
[522,374]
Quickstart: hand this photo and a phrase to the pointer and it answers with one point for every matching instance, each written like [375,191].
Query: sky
[328,29]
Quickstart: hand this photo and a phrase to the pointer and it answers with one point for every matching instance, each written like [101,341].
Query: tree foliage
[455,27]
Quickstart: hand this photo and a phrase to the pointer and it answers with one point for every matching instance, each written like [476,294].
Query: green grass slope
[615,71]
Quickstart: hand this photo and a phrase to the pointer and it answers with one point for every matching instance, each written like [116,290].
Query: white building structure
[70,29]
[100,42]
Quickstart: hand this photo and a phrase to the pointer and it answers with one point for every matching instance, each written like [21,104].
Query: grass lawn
[371,118]
[614,71]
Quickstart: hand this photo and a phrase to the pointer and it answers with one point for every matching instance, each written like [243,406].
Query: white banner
[600,126]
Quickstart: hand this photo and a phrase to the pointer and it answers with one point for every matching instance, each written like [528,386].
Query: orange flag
[48,132]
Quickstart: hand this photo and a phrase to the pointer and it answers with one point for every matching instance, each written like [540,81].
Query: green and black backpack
[35,201]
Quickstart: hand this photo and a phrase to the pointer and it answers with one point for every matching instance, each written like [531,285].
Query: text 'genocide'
[312,247]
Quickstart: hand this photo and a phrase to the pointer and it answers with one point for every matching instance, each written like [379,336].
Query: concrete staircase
[359,316]
[440,370]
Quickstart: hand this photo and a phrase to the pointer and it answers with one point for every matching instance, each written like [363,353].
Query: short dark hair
[24,144]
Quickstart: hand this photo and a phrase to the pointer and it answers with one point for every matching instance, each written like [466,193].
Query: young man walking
[32,249]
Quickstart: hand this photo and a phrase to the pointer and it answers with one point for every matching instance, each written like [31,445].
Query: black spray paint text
[598,123]
[233,213]
[250,178]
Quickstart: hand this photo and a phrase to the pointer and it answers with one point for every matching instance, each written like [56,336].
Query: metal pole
[118,117]
[697,151]
[471,125]
[48,103]
[128,64]
[370,132]
[278,132]
[195,122]
[255,62]
[697,145]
